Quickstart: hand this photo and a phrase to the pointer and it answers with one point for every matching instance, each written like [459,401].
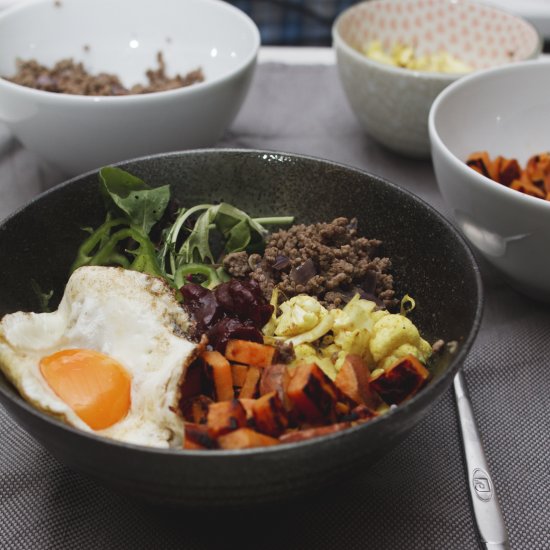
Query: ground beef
[326,260]
[69,77]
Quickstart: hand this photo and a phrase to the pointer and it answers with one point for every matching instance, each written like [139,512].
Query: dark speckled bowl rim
[401,410]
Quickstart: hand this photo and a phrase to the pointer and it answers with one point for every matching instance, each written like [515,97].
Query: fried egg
[110,360]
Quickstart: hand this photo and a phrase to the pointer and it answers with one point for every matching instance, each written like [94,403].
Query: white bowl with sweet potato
[499,125]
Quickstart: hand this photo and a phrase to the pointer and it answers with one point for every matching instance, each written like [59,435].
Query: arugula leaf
[238,237]
[116,181]
[142,205]
[196,247]
[238,229]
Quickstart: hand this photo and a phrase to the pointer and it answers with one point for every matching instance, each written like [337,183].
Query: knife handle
[487,513]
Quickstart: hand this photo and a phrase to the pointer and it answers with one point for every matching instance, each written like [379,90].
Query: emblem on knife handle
[483,487]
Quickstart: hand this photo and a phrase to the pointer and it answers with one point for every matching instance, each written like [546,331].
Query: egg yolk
[94,385]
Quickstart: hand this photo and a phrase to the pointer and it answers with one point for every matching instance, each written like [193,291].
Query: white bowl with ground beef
[99,105]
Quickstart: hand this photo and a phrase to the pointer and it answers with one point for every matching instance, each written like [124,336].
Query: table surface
[416,497]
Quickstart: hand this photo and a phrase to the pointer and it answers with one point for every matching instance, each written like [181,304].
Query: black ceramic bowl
[431,262]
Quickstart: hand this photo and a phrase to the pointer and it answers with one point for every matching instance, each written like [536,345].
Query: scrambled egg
[327,336]
[404,56]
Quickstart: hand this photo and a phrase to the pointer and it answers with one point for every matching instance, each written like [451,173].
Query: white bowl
[504,111]
[392,103]
[78,133]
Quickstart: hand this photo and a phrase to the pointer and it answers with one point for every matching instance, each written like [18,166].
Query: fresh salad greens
[142,206]
[236,228]
[189,249]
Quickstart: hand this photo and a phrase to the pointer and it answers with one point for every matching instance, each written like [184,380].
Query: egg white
[127,315]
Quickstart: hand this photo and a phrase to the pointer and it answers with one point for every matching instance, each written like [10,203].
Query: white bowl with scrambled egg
[495,112]
[395,56]
[76,133]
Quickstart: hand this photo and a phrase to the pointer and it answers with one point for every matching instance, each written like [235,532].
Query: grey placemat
[416,497]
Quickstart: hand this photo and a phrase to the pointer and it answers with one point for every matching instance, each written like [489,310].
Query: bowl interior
[479,35]
[497,113]
[124,37]
[430,262]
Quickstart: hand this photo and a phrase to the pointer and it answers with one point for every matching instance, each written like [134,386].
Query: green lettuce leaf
[142,205]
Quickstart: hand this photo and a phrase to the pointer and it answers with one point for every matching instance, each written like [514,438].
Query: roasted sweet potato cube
[353,381]
[538,169]
[313,394]
[362,413]
[249,353]
[494,167]
[343,407]
[400,381]
[224,417]
[538,172]
[197,436]
[481,163]
[302,435]
[250,386]
[525,185]
[248,405]
[270,416]
[238,372]
[245,438]
[189,444]
[275,378]
[194,409]
[509,170]
[220,370]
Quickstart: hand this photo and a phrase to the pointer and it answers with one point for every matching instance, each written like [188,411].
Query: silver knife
[487,513]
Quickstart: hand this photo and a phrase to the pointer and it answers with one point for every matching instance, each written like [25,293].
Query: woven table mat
[414,498]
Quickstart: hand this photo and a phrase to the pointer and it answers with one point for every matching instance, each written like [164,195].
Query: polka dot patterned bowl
[392,103]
